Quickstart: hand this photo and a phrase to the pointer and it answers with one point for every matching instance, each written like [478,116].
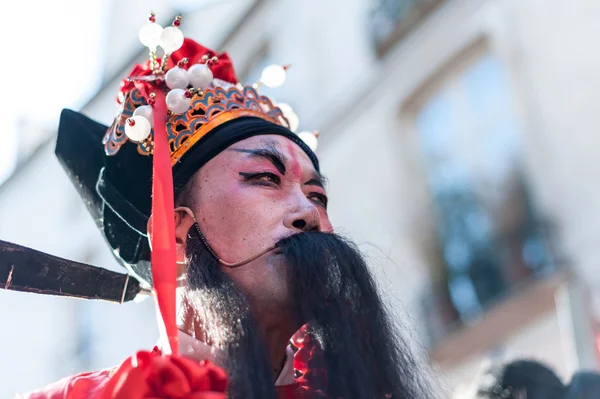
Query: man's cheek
[326,225]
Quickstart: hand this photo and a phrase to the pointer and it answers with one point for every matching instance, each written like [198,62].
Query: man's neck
[276,339]
[277,343]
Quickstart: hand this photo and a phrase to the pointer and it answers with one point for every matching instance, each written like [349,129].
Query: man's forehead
[284,146]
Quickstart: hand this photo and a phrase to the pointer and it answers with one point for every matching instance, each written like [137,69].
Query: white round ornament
[177,78]
[150,35]
[273,76]
[200,75]
[177,102]
[290,115]
[310,139]
[137,128]
[147,112]
[171,39]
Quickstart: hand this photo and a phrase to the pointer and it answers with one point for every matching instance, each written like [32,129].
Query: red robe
[91,385]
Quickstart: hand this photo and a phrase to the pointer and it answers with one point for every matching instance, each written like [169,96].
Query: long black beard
[363,355]
[334,292]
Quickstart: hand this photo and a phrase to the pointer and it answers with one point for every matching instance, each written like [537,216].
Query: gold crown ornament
[200,90]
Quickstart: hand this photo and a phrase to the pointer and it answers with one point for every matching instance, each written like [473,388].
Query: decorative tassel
[164,270]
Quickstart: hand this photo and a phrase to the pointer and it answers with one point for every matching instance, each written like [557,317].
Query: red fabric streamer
[164,270]
[151,375]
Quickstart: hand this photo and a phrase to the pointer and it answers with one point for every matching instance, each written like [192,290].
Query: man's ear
[184,219]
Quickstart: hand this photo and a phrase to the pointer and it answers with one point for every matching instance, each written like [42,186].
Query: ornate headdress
[188,96]
[201,90]
[177,111]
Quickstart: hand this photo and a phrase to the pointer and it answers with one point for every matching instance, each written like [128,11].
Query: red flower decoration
[193,51]
[151,375]
[222,69]
[309,362]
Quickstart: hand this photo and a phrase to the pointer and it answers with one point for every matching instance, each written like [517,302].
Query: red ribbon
[164,267]
[164,270]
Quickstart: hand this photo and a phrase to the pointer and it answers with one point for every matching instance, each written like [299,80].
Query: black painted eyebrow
[270,152]
[318,180]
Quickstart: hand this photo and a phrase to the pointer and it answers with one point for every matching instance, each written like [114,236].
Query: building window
[489,238]
[391,20]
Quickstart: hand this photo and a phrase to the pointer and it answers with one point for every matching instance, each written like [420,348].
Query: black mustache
[276,248]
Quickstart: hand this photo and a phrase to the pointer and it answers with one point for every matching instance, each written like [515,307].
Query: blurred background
[460,138]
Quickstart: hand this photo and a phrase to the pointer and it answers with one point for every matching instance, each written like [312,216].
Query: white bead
[177,102]
[171,39]
[310,139]
[145,111]
[150,35]
[200,75]
[139,130]
[290,115]
[225,85]
[177,78]
[273,76]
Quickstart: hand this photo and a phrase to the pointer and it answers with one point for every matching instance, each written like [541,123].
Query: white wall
[40,209]
[377,191]
[558,41]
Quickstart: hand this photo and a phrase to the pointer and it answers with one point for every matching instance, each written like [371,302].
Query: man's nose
[304,216]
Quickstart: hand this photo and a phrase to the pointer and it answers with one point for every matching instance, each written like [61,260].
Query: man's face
[249,197]
[261,191]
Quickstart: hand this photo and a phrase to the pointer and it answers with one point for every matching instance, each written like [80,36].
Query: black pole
[27,270]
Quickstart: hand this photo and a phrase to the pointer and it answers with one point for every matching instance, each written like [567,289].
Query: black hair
[359,355]
[521,379]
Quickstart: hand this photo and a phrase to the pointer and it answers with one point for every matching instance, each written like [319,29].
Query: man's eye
[319,199]
[268,177]
[265,178]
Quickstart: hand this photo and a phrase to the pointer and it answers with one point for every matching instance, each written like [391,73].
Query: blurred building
[459,140]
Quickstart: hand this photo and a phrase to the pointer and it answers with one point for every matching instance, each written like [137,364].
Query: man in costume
[205,194]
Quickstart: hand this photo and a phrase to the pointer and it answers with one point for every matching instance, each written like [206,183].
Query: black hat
[111,167]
